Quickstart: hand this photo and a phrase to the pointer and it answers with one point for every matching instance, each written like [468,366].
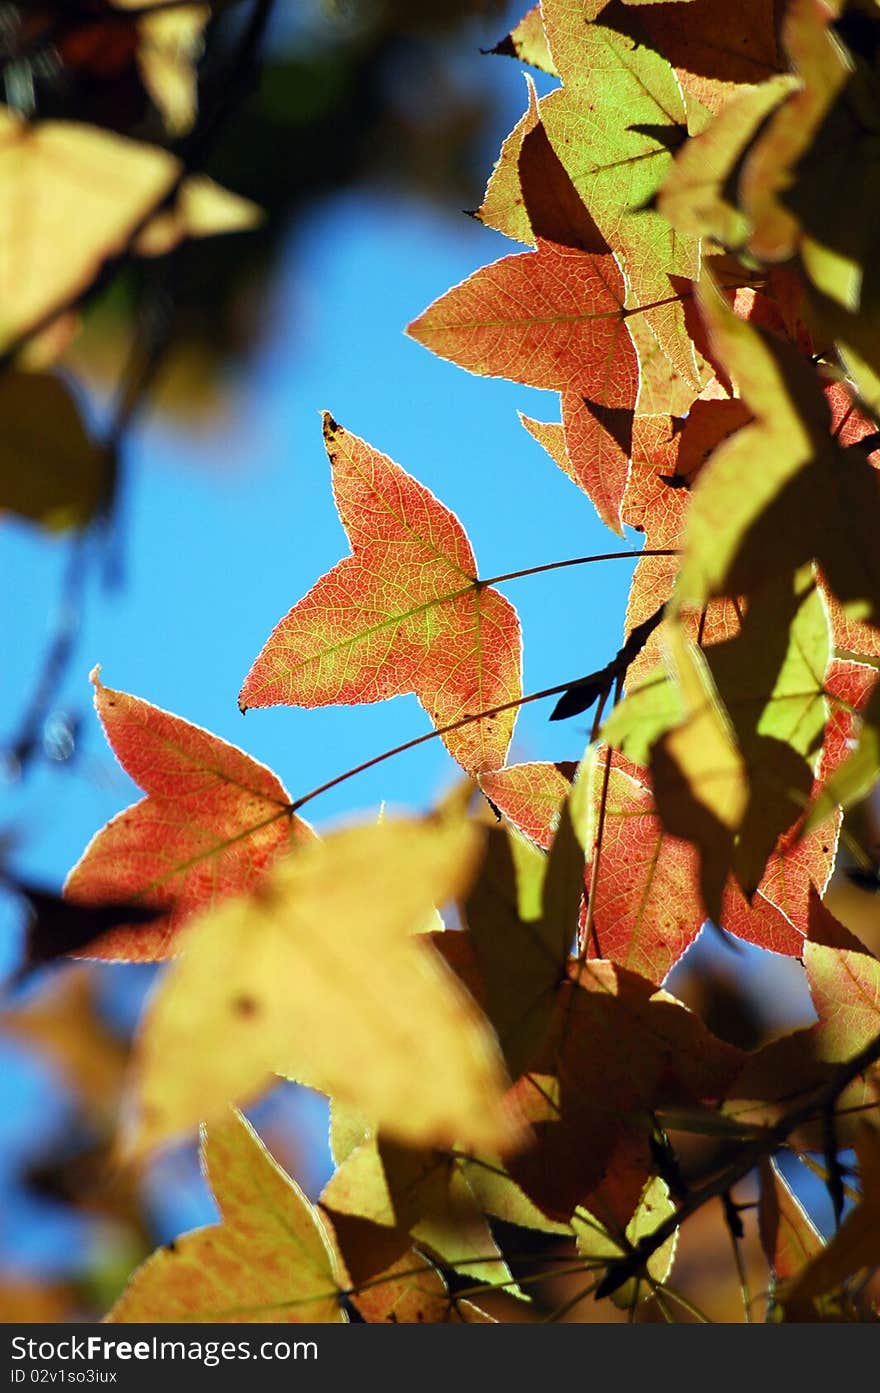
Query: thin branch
[423,740]
[773,1138]
[579,561]
[616,668]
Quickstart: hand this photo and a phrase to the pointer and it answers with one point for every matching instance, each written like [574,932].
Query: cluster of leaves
[697,286]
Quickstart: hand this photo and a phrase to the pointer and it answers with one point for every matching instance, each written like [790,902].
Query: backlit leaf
[696,196]
[212,822]
[404,613]
[553,318]
[268,1260]
[385,1196]
[714,47]
[845,987]
[647,906]
[522,913]
[531,796]
[325,976]
[614,125]
[788,1236]
[618,1049]
[596,1243]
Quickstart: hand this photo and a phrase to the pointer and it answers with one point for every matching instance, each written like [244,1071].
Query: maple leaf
[770,680]
[814,150]
[553,318]
[858,770]
[212,822]
[269,1260]
[700,777]
[697,194]
[668,455]
[598,1243]
[522,915]
[74,197]
[845,987]
[646,902]
[614,124]
[404,613]
[328,979]
[499,1195]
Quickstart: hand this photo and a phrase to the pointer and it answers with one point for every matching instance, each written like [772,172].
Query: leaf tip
[95,677]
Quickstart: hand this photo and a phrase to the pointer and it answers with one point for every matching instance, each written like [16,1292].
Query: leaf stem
[579,561]
[423,740]
[615,670]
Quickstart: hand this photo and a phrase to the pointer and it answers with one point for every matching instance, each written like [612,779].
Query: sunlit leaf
[553,318]
[531,796]
[714,47]
[619,1049]
[212,822]
[845,987]
[327,978]
[647,905]
[781,491]
[788,1236]
[614,125]
[528,42]
[696,196]
[522,915]
[404,613]
[384,1196]
[268,1260]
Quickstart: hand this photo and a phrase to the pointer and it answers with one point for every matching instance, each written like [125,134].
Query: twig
[751,1154]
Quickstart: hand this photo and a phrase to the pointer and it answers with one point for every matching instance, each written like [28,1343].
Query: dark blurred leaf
[51,471]
[58,927]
